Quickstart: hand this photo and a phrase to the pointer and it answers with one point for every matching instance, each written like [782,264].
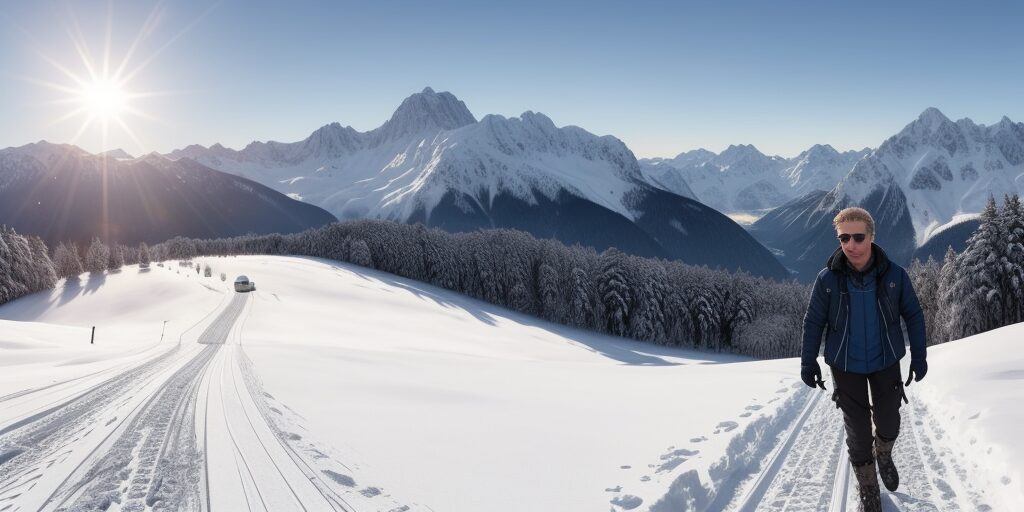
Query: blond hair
[855,214]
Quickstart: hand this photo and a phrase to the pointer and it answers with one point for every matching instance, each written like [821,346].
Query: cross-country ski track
[133,437]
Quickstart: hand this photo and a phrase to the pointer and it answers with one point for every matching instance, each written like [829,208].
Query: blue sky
[664,77]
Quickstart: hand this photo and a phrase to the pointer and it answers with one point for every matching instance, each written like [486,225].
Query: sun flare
[104,99]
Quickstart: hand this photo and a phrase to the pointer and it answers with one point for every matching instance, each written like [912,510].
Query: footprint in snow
[617,488]
[698,439]
[726,426]
[627,501]
[754,407]
[745,415]
[625,467]
[975,416]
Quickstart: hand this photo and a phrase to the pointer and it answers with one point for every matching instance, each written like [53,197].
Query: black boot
[886,468]
[867,485]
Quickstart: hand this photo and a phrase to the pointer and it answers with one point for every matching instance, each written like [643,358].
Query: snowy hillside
[743,180]
[944,168]
[334,387]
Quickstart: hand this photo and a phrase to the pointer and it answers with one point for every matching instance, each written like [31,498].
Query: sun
[104,99]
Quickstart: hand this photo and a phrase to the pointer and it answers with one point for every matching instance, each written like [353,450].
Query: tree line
[654,300]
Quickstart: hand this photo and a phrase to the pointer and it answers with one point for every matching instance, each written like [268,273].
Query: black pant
[851,395]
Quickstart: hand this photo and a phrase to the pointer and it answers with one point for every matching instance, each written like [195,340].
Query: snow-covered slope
[334,382]
[743,180]
[432,162]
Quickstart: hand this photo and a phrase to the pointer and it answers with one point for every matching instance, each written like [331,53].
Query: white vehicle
[243,284]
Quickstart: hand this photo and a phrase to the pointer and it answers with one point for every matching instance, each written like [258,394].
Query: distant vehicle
[243,284]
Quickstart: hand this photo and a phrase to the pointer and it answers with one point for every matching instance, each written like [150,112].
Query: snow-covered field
[334,387]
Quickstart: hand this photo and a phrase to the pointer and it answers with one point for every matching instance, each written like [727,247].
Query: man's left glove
[918,368]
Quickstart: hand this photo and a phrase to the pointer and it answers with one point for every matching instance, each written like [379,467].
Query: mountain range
[63,193]
[741,179]
[920,182]
[434,162]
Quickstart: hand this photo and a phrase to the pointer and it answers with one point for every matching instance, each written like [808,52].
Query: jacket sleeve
[814,322]
[913,315]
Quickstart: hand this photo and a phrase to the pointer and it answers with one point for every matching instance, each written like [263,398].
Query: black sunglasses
[857,237]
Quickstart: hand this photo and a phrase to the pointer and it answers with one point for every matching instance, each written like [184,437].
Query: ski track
[151,463]
[814,471]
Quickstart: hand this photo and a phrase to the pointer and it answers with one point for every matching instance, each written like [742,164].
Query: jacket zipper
[842,341]
[886,324]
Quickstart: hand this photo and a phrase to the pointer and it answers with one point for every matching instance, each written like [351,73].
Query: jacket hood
[837,262]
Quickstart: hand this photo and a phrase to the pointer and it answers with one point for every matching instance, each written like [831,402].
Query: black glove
[917,371]
[811,374]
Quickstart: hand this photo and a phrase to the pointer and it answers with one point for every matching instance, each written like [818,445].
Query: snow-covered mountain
[944,168]
[432,162]
[63,193]
[742,179]
[929,175]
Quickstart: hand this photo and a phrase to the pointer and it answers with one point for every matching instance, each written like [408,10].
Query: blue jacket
[829,313]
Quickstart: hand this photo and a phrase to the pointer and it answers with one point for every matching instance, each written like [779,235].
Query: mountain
[62,193]
[433,162]
[953,234]
[917,183]
[742,179]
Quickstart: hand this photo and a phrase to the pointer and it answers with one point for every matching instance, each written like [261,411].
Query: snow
[334,384]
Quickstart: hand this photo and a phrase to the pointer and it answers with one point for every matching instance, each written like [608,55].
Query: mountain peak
[932,117]
[425,111]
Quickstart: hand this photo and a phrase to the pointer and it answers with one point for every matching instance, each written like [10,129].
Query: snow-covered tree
[581,299]
[144,256]
[115,258]
[615,299]
[361,254]
[96,256]
[66,261]
[974,296]
[925,279]
[1011,262]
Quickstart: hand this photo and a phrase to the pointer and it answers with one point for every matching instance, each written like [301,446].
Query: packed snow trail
[149,462]
[810,470]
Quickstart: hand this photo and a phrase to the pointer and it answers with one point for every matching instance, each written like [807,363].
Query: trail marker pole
[162,331]
[92,339]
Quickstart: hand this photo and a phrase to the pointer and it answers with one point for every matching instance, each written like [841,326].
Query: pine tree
[67,262]
[361,254]
[614,295]
[96,257]
[547,289]
[115,258]
[144,256]
[925,279]
[975,293]
[581,302]
[947,280]
[1011,262]
[46,275]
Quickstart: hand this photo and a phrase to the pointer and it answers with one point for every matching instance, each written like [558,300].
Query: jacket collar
[838,262]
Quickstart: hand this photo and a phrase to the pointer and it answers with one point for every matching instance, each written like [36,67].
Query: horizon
[664,79]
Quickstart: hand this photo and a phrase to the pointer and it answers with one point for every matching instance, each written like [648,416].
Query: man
[857,302]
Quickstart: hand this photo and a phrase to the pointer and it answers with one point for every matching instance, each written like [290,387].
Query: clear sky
[664,77]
